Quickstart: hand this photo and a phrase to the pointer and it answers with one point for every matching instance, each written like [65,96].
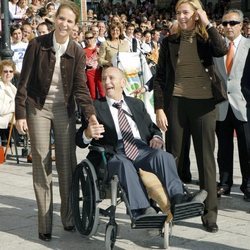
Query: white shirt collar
[236,41]
[60,48]
[111,101]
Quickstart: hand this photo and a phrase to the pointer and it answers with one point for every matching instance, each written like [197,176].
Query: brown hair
[113,26]
[7,63]
[70,5]
[199,27]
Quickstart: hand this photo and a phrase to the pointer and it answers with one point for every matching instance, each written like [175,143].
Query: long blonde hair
[199,27]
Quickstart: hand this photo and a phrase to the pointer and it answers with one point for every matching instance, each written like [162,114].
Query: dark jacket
[245,81]
[164,79]
[37,71]
[146,127]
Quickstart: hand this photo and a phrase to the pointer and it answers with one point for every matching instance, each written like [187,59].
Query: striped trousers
[40,122]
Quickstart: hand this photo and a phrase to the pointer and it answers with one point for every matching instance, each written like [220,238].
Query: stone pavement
[18,219]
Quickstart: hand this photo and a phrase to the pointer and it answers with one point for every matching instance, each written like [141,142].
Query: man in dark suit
[148,140]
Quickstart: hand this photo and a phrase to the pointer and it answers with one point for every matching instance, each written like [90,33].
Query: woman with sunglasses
[186,90]
[7,96]
[93,71]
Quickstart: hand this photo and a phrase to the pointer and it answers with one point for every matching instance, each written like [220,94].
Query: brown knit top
[191,79]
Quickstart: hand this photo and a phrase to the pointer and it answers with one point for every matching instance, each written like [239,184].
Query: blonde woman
[186,90]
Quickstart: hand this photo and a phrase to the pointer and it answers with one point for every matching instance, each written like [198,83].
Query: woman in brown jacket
[186,90]
[52,78]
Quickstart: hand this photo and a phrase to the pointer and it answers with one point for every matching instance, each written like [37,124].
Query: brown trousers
[40,123]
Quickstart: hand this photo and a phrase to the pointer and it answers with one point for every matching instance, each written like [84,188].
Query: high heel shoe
[29,158]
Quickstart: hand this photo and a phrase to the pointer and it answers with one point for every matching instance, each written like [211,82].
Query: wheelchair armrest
[97,149]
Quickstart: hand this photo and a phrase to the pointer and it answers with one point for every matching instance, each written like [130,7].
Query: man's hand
[161,120]
[21,126]
[156,142]
[94,129]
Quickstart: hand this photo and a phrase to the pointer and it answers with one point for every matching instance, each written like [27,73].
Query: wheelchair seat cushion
[156,192]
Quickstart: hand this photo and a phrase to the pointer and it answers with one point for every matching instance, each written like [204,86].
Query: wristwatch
[209,26]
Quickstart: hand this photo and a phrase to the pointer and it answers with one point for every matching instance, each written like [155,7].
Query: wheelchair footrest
[188,210]
[149,221]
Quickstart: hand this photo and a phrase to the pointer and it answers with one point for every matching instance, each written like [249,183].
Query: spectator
[36,4]
[95,30]
[7,93]
[246,30]
[23,6]
[27,33]
[129,36]
[17,46]
[16,14]
[75,35]
[102,32]
[51,9]
[93,71]
[232,114]
[43,28]
[114,44]
[46,102]
[183,92]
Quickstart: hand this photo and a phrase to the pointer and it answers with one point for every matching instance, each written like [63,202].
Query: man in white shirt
[232,114]
[109,133]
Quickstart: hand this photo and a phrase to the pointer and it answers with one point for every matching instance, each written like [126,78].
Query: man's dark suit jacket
[245,81]
[146,127]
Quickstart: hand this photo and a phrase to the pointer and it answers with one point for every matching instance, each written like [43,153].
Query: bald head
[114,81]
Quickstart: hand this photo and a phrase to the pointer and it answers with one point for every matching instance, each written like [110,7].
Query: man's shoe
[70,228]
[136,212]
[199,196]
[247,196]
[223,190]
[45,237]
[246,192]
[149,211]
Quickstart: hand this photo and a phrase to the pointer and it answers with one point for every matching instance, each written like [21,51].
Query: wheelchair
[91,185]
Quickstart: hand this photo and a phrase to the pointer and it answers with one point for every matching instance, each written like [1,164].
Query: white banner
[137,71]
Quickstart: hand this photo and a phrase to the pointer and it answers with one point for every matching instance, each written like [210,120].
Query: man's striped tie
[130,147]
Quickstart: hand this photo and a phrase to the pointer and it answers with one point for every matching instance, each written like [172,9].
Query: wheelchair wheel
[85,197]
[110,236]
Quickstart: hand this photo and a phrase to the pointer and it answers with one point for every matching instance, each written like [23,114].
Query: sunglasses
[90,37]
[8,71]
[231,23]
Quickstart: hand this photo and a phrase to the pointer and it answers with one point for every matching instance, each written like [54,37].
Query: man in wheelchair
[131,150]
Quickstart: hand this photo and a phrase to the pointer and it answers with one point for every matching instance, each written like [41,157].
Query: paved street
[18,219]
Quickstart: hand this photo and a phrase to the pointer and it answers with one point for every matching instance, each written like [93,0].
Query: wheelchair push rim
[84,199]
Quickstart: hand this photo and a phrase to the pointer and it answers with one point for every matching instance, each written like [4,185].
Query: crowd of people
[197,58]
